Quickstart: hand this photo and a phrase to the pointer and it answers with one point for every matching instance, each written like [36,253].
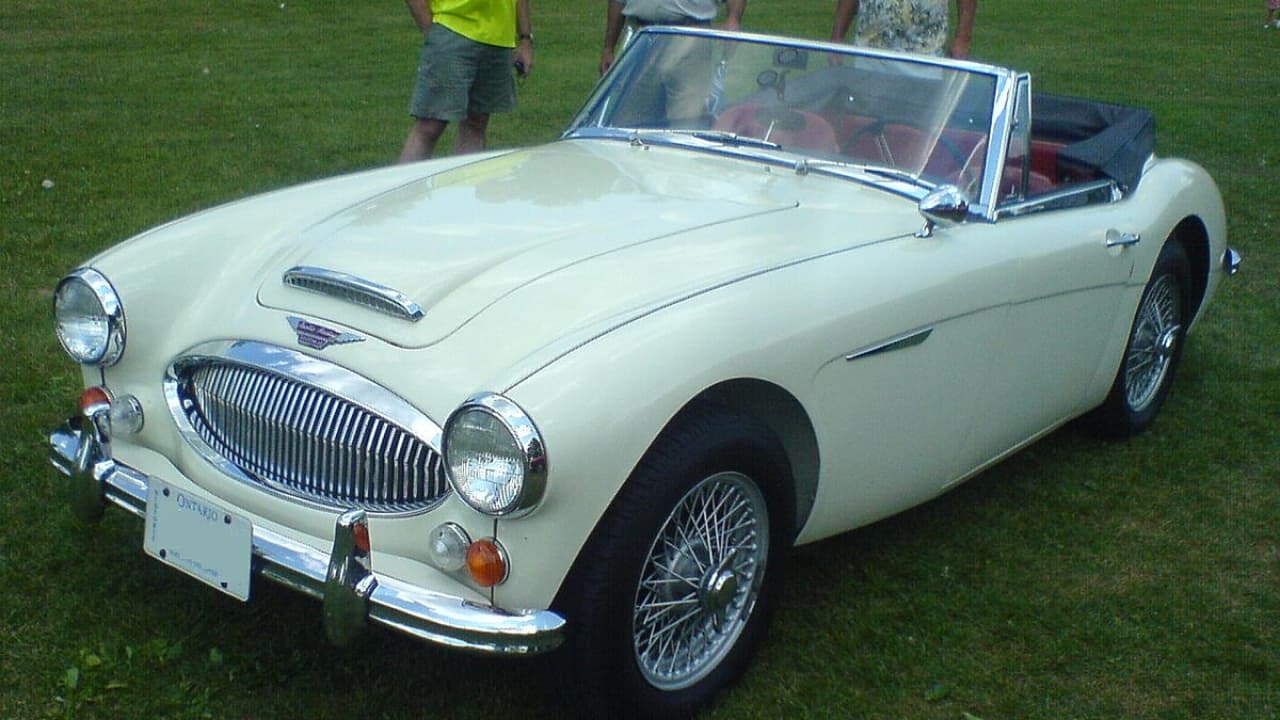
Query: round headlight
[494,456]
[89,318]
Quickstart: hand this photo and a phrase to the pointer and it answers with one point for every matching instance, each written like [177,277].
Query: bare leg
[471,133]
[422,139]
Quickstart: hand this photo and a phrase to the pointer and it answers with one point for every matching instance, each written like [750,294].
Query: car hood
[626,227]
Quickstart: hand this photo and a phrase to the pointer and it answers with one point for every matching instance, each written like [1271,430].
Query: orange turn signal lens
[487,562]
[94,397]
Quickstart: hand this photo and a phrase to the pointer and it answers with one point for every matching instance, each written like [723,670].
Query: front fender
[600,408]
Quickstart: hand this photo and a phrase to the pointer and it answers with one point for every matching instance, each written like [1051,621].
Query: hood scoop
[354,290]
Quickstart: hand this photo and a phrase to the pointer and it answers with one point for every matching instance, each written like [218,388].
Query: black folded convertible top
[1112,140]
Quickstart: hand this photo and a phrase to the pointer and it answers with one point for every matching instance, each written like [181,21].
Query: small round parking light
[448,547]
[126,415]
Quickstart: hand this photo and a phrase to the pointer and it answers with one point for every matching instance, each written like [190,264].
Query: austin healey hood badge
[319,337]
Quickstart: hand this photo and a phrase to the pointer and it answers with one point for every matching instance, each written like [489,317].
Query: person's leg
[439,93]
[471,133]
[422,139]
[493,90]
[687,73]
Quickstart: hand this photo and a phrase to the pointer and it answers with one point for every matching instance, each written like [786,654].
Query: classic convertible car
[585,395]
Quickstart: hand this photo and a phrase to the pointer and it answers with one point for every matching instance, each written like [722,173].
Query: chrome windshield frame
[587,125]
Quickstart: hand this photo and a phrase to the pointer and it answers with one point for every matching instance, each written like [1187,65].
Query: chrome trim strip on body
[431,616]
[901,342]
[1067,197]
[307,370]
[358,290]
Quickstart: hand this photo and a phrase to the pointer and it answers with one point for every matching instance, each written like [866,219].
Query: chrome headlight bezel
[493,423]
[99,304]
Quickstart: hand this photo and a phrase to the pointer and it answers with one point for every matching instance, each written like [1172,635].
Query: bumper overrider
[352,594]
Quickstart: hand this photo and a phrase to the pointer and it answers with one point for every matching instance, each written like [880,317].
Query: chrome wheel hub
[718,591]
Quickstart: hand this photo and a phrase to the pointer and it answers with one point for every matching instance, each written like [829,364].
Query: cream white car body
[603,286]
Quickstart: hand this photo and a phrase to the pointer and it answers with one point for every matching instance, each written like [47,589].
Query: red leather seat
[789,128]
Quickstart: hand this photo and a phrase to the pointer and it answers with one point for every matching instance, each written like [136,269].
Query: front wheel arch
[787,420]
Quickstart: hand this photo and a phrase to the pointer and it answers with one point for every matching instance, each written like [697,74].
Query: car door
[906,368]
[1073,266]
[1063,312]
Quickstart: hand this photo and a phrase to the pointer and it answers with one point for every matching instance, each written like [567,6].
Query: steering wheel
[876,129]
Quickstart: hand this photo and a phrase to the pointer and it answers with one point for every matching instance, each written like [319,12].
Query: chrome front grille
[291,435]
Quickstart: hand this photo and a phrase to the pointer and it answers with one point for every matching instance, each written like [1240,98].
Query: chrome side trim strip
[424,614]
[357,290]
[899,343]
[1070,196]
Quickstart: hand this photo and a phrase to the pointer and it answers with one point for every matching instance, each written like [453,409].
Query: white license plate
[199,538]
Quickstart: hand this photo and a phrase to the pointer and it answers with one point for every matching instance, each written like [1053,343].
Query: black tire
[647,569]
[1152,353]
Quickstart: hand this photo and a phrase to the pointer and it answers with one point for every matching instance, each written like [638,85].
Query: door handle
[1115,238]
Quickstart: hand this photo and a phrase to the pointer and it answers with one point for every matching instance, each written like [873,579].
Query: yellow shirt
[492,22]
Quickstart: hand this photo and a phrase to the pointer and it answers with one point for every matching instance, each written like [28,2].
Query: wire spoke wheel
[673,594]
[1153,344]
[1152,350]
[700,580]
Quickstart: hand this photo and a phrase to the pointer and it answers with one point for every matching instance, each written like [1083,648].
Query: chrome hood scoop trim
[355,290]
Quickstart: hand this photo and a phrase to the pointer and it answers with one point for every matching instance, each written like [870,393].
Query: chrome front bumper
[343,580]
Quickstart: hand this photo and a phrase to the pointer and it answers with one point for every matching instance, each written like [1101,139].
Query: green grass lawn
[1079,579]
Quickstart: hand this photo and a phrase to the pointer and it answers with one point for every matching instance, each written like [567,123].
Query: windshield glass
[917,116]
